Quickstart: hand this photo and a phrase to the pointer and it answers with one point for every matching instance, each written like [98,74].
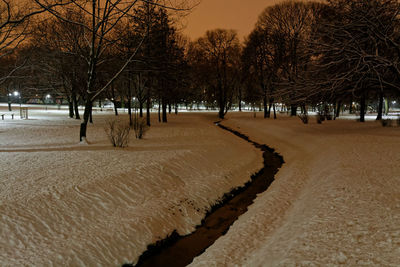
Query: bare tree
[218,55]
[282,35]
[103,16]
[263,58]
[357,52]
[58,60]
[14,25]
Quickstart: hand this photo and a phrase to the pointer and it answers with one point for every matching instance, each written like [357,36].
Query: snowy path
[336,199]
[66,204]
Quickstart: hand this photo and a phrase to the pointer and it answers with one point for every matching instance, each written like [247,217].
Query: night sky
[239,15]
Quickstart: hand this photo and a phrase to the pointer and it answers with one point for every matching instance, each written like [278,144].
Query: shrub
[390,122]
[140,127]
[118,133]
[386,122]
[303,118]
[320,118]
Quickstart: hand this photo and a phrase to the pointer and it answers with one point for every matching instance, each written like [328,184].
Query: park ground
[335,200]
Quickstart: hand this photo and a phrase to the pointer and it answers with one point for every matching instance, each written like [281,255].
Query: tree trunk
[148,103]
[86,115]
[380,106]
[351,106]
[169,108]
[113,100]
[273,105]
[164,110]
[141,109]
[304,109]
[240,100]
[130,103]
[362,108]
[130,110]
[270,104]
[338,107]
[115,108]
[76,107]
[176,109]
[71,108]
[9,102]
[91,114]
[221,113]
[265,104]
[159,110]
[293,110]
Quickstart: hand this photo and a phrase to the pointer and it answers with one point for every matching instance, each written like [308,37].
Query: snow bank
[62,203]
[335,201]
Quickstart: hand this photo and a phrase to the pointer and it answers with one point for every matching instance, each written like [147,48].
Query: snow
[336,200]
[63,203]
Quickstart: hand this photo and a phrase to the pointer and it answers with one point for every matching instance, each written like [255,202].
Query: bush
[390,122]
[386,122]
[118,133]
[140,127]
[303,118]
[320,118]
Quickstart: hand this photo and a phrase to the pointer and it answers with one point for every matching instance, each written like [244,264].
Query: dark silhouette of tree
[357,52]
[217,58]
[59,46]
[286,28]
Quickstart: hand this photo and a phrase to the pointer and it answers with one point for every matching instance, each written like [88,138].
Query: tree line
[324,55]
[327,56]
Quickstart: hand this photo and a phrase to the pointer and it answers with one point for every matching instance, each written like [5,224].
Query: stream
[179,250]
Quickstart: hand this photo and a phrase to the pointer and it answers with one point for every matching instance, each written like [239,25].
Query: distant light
[16,93]
[48,96]
[394,102]
[10,94]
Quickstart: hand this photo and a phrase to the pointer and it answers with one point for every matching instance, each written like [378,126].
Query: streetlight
[17,94]
[47,98]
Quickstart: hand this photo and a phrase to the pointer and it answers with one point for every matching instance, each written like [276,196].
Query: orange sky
[240,15]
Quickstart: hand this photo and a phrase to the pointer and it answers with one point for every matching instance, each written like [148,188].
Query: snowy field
[62,203]
[335,201]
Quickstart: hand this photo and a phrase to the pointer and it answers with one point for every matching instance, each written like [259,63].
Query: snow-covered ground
[335,201]
[62,203]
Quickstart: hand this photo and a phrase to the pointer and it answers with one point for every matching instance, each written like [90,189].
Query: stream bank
[179,250]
